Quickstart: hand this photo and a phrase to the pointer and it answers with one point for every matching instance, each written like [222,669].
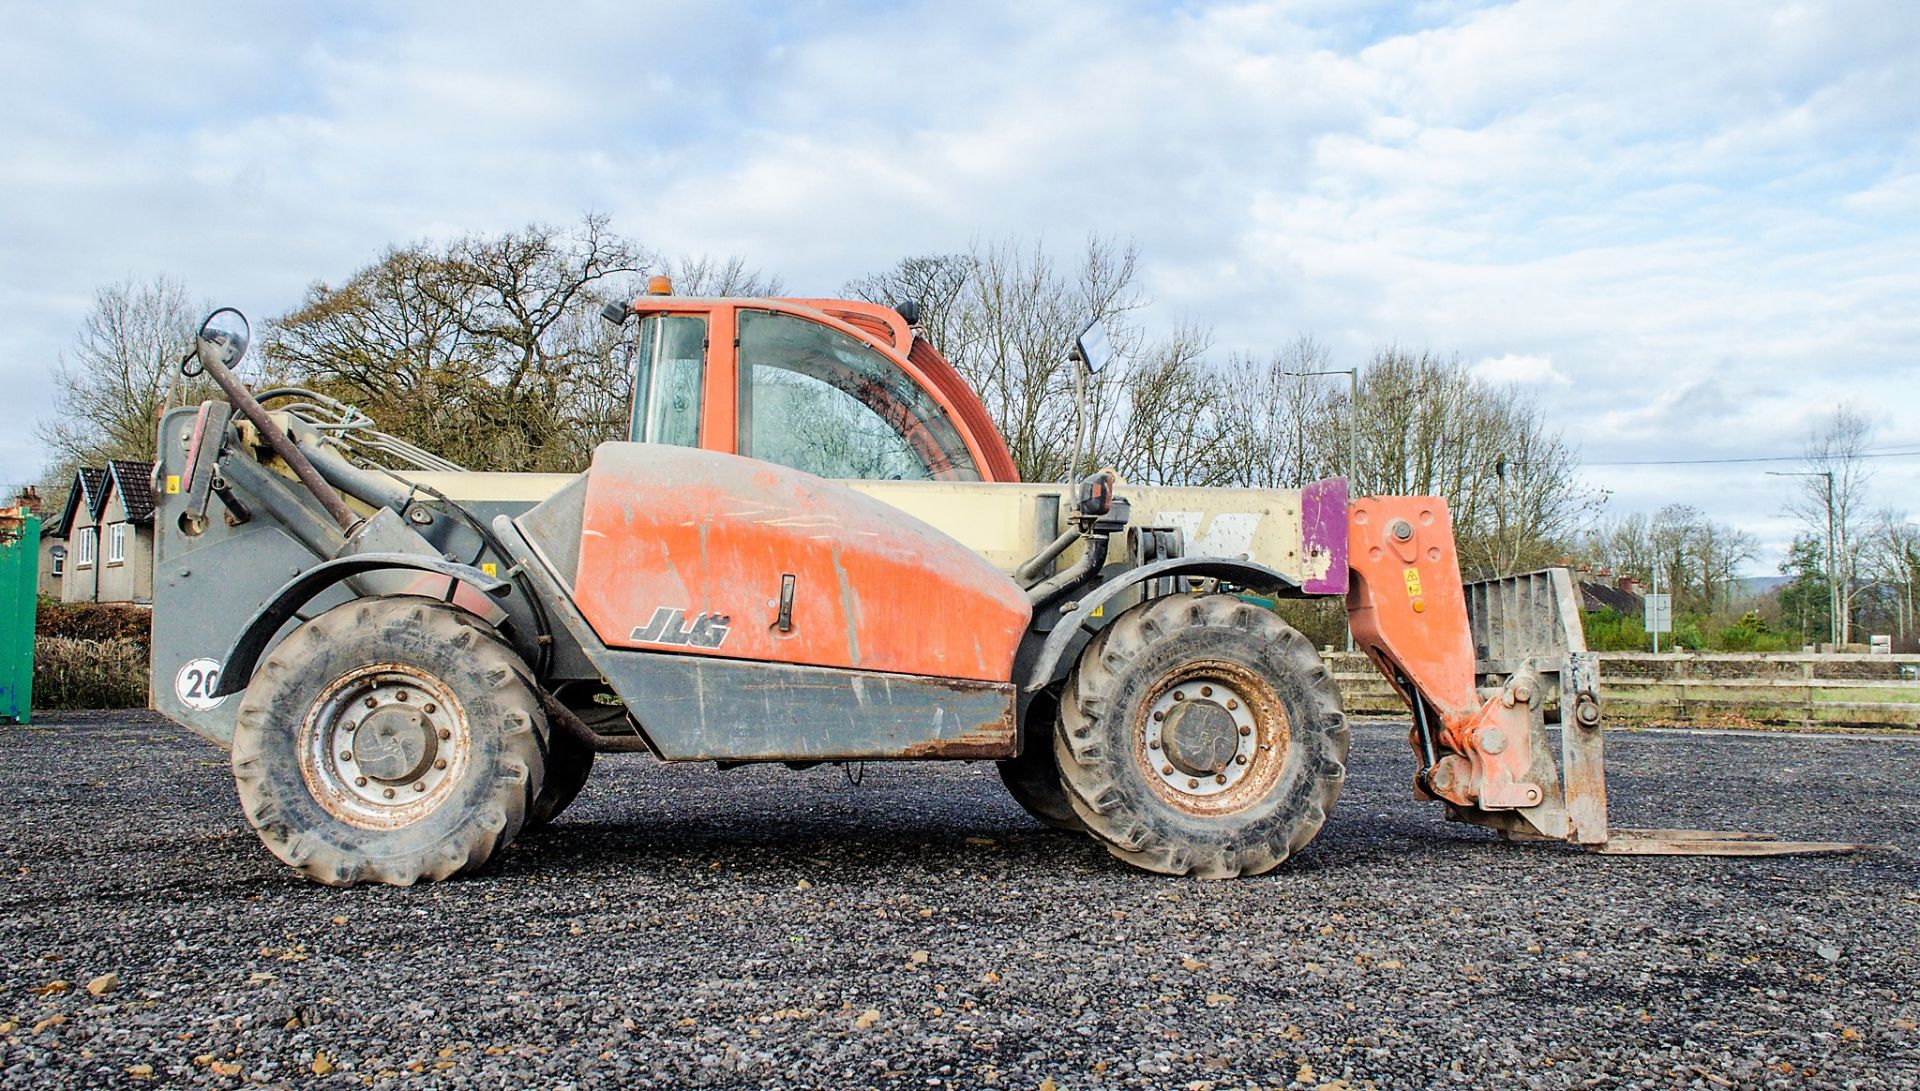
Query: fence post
[19,589]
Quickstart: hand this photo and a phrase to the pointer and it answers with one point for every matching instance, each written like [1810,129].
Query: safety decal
[195,683]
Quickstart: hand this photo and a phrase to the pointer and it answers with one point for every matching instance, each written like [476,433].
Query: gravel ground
[686,927]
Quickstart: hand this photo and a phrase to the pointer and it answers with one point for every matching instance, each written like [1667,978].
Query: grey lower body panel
[695,708]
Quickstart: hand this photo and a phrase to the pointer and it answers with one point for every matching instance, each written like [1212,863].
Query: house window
[117,544]
[59,556]
[85,546]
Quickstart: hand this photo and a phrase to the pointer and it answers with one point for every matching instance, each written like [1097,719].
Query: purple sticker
[1323,533]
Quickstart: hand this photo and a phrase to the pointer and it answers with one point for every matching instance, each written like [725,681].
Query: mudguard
[237,668]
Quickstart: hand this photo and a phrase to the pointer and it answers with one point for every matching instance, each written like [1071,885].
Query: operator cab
[836,389]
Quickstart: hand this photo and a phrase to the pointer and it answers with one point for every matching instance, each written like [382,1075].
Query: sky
[1692,229]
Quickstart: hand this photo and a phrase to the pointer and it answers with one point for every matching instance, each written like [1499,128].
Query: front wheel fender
[282,606]
[1048,667]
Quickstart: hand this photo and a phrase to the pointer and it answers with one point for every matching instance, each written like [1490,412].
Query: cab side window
[670,367]
[818,400]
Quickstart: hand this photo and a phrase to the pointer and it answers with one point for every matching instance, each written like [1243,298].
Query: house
[1601,591]
[101,547]
[52,548]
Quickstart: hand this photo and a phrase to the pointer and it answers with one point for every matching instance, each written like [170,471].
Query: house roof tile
[135,482]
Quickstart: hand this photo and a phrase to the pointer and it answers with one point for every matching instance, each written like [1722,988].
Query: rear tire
[569,761]
[1201,736]
[388,740]
[1033,778]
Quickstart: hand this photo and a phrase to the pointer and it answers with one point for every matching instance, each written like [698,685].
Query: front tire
[1201,736]
[389,741]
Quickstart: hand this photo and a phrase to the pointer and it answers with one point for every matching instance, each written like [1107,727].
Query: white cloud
[1690,225]
[1523,369]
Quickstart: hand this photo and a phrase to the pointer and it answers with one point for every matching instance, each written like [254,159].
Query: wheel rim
[384,746]
[1212,738]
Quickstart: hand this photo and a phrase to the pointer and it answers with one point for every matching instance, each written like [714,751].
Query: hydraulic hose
[1031,569]
[282,445]
[1074,575]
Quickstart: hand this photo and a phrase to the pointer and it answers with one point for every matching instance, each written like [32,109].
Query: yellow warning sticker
[1099,611]
[1413,583]
[173,484]
[492,569]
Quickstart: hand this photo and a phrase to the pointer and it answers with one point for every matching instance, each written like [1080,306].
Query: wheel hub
[1201,737]
[395,743]
[384,746]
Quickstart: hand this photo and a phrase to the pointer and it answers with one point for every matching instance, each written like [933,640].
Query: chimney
[1630,585]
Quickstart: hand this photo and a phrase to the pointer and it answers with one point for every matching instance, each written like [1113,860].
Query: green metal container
[19,587]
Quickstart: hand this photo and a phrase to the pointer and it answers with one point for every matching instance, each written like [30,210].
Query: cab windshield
[816,399]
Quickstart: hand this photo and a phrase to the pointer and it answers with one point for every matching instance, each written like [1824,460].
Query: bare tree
[121,372]
[1698,559]
[1171,425]
[487,350]
[1837,446]
[1006,314]
[1274,418]
[1428,426]
[702,275]
[1891,560]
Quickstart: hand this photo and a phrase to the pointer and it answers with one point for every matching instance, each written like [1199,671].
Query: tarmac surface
[686,927]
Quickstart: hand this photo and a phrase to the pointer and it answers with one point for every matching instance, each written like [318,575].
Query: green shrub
[1323,621]
[1608,630]
[93,620]
[73,672]
[1689,632]
[1751,634]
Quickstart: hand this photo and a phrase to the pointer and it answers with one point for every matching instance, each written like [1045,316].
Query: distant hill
[1756,586]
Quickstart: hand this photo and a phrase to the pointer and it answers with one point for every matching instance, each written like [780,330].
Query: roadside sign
[1659,613]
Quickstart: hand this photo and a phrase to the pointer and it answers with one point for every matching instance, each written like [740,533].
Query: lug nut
[1219,778]
[1158,716]
[1245,731]
[445,734]
[1191,783]
[419,785]
[1179,695]
[1153,744]
[1166,770]
[388,793]
[1242,759]
[372,701]
[346,755]
[427,708]
[360,782]
[1206,691]
[349,726]
[1232,704]
[440,763]
[401,696]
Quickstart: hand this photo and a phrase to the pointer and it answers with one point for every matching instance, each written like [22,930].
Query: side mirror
[223,338]
[1093,348]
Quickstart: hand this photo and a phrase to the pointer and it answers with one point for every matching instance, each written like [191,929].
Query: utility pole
[1656,597]
[1353,434]
[1835,601]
